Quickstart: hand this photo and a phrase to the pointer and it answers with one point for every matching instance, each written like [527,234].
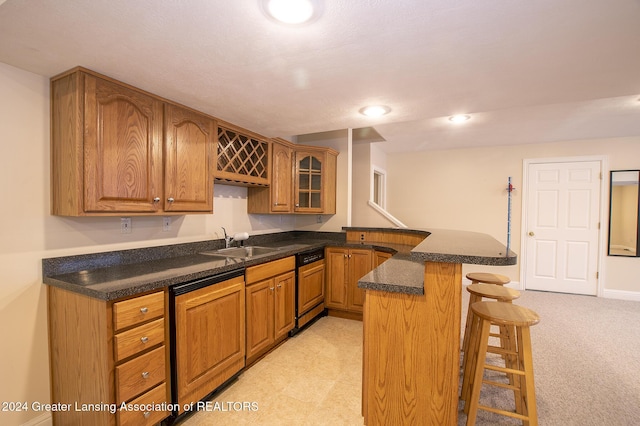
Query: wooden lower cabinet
[270,305]
[210,338]
[381,257]
[104,354]
[345,266]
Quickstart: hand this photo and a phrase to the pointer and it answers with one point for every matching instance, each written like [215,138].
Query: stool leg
[512,362]
[465,342]
[529,390]
[470,357]
[474,399]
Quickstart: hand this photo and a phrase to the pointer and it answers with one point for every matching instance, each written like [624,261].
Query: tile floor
[314,378]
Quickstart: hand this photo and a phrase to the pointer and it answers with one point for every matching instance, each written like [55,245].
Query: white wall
[466,189]
[30,234]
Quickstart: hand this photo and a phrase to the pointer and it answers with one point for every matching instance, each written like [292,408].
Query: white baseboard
[621,294]
[42,420]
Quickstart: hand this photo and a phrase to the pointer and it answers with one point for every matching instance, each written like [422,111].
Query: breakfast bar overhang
[411,318]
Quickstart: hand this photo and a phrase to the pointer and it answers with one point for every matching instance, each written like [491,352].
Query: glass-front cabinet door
[308,182]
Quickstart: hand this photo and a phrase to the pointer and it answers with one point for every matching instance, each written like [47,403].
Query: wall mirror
[623,213]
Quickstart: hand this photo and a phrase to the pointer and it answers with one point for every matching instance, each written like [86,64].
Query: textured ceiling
[528,71]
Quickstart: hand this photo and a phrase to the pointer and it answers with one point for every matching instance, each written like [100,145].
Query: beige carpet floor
[586,354]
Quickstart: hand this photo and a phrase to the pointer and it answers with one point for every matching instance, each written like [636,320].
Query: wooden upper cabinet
[303,180]
[243,157]
[122,148]
[315,181]
[107,155]
[189,155]
[278,197]
[281,179]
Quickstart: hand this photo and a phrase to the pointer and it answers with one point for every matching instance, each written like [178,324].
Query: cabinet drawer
[135,311]
[138,339]
[270,269]
[136,417]
[139,374]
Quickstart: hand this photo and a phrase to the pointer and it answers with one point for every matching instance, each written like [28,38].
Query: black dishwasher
[207,333]
[310,277]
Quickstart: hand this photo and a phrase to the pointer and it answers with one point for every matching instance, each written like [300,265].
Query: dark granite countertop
[404,272]
[113,275]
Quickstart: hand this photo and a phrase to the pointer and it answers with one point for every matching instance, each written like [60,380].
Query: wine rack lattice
[242,158]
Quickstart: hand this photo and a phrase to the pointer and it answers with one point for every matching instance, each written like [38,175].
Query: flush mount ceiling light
[291,12]
[459,118]
[375,110]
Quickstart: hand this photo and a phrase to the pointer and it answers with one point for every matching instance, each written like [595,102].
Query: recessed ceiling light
[459,118]
[290,12]
[375,110]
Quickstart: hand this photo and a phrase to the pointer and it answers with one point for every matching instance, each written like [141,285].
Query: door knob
[531,234]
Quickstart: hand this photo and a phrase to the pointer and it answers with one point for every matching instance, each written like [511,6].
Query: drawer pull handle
[146,414]
[144,339]
[145,375]
[144,310]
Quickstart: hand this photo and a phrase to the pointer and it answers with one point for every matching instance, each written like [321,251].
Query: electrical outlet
[319,219]
[125,225]
[166,224]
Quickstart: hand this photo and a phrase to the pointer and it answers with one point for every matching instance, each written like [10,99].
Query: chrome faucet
[227,239]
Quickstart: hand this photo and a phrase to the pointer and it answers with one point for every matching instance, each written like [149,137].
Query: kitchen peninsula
[418,287]
[412,328]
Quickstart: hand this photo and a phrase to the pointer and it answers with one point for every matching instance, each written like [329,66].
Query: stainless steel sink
[242,252]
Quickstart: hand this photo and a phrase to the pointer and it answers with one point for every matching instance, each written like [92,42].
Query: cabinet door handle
[146,414]
[279,285]
[144,339]
[144,310]
[297,205]
[271,288]
[170,199]
[145,375]
[275,204]
[156,200]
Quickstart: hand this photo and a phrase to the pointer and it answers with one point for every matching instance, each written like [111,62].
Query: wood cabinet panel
[134,311]
[260,316]
[157,395]
[381,257]
[210,338]
[337,277]
[270,269]
[311,282]
[344,268]
[113,152]
[138,339]
[270,298]
[140,374]
[85,364]
[281,179]
[122,148]
[284,313]
[189,155]
[360,264]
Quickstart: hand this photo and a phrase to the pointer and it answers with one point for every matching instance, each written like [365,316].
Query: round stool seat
[495,292]
[505,313]
[488,278]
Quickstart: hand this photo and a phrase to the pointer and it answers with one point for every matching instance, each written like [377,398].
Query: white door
[562,229]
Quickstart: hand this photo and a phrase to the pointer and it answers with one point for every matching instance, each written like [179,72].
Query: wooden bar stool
[477,293]
[487,278]
[518,362]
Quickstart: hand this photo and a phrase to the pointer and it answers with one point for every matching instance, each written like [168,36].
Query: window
[379,187]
